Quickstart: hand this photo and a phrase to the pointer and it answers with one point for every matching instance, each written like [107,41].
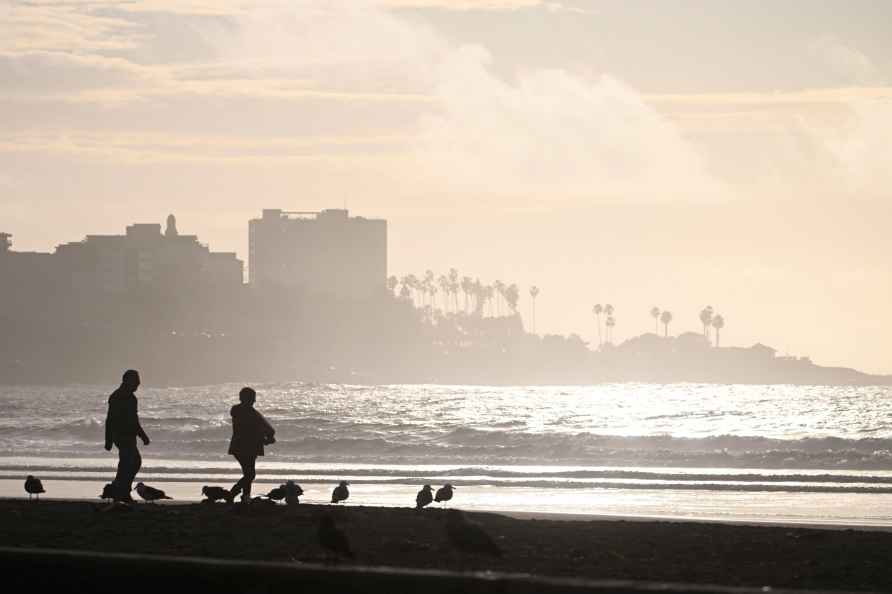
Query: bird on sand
[424,497]
[150,493]
[33,486]
[340,493]
[108,491]
[277,493]
[444,493]
[214,494]
[333,538]
[468,536]
[292,492]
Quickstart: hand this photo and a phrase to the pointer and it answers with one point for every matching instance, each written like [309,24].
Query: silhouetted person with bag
[121,429]
[250,432]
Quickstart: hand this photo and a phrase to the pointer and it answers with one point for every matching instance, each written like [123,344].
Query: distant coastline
[319,307]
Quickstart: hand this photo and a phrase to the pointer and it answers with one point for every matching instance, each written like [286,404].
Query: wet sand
[736,555]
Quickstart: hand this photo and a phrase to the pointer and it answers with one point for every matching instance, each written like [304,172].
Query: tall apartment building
[324,253]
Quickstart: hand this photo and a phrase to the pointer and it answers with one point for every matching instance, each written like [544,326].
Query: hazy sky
[675,153]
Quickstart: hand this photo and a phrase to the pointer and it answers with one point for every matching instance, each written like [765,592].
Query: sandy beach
[705,553]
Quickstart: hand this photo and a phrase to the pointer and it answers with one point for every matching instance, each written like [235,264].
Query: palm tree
[411,281]
[499,287]
[453,287]
[443,283]
[666,318]
[718,322]
[610,323]
[706,319]
[534,292]
[392,282]
[597,309]
[467,289]
[608,310]
[488,292]
[655,314]
[512,296]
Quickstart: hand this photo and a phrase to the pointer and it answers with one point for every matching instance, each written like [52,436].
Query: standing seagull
[332,538]
[277,493]
[292,492]
[33,486]
[150,493]
[108,491]
[444,493]
[468,536]
[215,494]
[340,493]
[424,497]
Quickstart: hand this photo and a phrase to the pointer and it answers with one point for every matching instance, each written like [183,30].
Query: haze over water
[794,453]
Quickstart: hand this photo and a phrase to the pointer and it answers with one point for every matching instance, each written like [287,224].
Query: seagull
[332,538]
[108,491]
[215,494]
[150,493]
[468,536]
[292,492]
[277,493]
[340,493]
[444,493]
[424,497]
[33,486]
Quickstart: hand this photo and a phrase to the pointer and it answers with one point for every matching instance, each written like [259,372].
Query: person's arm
[269,434]
[109,420]
[139,430]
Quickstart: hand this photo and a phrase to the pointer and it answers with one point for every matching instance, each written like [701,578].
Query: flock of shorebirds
[289,492]
[464,534]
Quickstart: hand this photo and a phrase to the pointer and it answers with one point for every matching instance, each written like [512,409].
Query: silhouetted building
[23,274]
[327,252]
[146,258]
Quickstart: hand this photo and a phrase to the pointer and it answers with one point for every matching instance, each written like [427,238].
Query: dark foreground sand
[638,550]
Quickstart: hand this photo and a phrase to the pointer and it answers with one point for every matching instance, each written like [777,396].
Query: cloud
[552,134]
[844,63]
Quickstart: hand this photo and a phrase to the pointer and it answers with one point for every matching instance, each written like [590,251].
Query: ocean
[799,454]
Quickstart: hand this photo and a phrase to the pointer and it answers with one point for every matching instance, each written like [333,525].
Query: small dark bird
[444,493]
[340,493]
[292,492]
[215,494]
[332,538]
[150,493]
[468,536]
[277,493]
[108,491]
[424,497]
[33,486]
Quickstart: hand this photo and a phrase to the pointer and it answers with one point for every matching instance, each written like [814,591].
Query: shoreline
[593,548]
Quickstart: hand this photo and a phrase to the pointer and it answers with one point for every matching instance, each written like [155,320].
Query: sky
[669,153]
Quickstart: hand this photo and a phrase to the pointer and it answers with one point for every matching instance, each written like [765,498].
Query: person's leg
[243,485]
[129,463]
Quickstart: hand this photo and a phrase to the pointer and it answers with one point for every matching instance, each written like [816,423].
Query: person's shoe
[123,496]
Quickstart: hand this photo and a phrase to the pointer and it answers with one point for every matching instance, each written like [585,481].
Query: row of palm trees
[609,322]
[708,318]
[444,291]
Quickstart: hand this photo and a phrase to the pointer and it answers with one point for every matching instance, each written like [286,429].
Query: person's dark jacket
[250,431]
[122,422]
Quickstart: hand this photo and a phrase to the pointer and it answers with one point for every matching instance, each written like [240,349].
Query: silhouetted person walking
[250,432]
[121,429]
